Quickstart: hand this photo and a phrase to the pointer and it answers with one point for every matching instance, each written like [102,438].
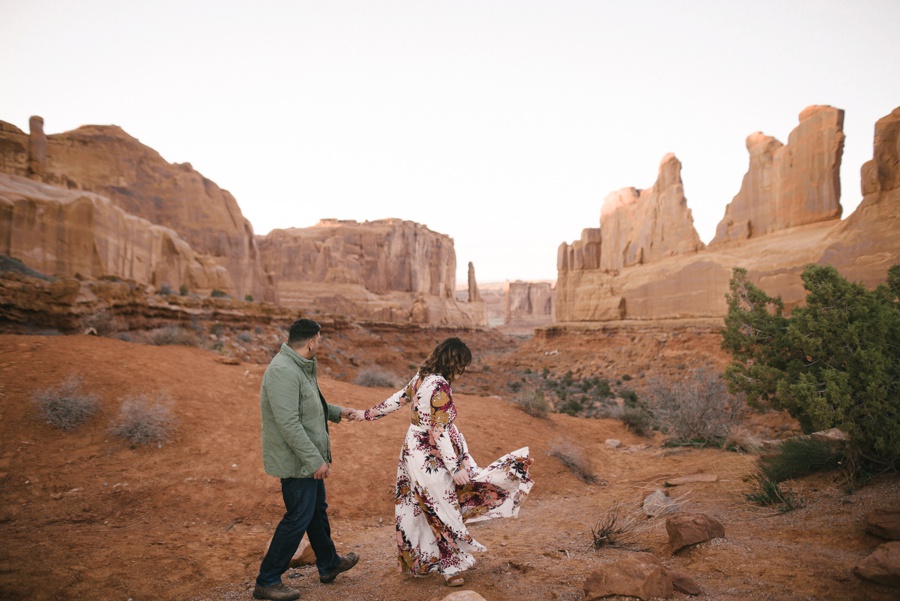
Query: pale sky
[500,123]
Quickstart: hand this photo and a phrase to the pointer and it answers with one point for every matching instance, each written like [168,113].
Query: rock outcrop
[528,303]
[786,237]
[109,162]
[789,185]
[386,270]
[70,233]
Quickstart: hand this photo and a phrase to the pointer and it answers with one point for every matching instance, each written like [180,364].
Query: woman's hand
[461,478]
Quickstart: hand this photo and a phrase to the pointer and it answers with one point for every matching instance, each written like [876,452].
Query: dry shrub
[573,458]
[617,527]
[142,421]
[66,406]
[740,440]
[532,401]
[101,323]
[698,409]
[172,335]
[373,377]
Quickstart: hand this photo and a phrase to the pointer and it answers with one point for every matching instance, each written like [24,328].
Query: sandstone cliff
[109,162]
[529,303]
[70,233]
[386,270]
[790,220]
[789,185]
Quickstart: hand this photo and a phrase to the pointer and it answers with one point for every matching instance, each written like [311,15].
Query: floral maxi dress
[430,511]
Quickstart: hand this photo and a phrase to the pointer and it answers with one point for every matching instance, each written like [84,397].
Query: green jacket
[295,439]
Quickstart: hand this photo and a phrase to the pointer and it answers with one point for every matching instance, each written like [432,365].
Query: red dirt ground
[83,516]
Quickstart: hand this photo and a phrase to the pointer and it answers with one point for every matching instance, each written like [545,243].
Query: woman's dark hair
[448,359]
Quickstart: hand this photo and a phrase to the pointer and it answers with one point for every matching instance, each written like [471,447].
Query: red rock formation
[387,270]
[867,243]
[71,232]
[789,185]
[109,162]
[790,209]
[474,296]
[529,303]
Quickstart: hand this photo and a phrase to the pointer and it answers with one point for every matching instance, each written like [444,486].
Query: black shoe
[276,592]
[347,561]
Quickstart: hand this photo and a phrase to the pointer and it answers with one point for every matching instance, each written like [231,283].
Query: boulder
[884,523]
[639,575]
[882,566]
[684,583]
[687,529]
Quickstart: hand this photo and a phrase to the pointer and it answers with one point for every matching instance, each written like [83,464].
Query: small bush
[249,298]
[245,337]
[165,290]
[142,422]
[373,377]
[614,529]
[183,290]
[218,294]
[573,458]
[172,335]
[741,441]
[698,409]
[769,493]
[532,402]
[797,457]
[638,420]
[101,323]
[66,406]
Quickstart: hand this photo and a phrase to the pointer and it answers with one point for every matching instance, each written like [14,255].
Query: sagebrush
[374,377]
[142,421]
[574,459]
[697,410]
[67,406]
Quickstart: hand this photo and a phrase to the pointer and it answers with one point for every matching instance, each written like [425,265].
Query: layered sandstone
[529,303]
[387,270]
[794,227]
[109,162]
[68,233]
[789,185]
[867,243]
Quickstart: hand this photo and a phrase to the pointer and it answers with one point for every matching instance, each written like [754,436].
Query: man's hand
[353,415]
[322,472]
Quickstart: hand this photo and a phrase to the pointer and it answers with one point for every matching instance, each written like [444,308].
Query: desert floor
[83,516]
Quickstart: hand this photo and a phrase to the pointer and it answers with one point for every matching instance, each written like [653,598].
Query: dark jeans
[304,500]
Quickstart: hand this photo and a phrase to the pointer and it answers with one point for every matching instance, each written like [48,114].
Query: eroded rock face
[71,232]
[694,285]
[789,185]
[386,270]
[637,226]
[529,303]
[109,162]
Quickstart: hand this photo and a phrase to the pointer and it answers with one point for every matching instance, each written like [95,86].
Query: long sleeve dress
[430,510]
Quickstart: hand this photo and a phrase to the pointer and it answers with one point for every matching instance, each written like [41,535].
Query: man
[296,448]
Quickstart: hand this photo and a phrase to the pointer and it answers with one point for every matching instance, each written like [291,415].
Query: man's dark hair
[302,330]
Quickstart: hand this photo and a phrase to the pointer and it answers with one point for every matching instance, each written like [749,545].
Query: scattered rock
[691,528]
[882,566]
[692,478]
[684,583]
[884,523]
[659,503]
[612,442]
[639,575]
[461,596]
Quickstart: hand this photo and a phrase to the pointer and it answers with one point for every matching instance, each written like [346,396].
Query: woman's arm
[397,400]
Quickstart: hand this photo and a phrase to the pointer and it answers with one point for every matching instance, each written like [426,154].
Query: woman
[439,485]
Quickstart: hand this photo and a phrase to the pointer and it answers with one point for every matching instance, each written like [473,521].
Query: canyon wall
[785,216]
[528,303]
[95,202]
[107,161]
[387,270]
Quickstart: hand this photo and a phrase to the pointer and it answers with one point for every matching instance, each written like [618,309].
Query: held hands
[353,415]
[461,478]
